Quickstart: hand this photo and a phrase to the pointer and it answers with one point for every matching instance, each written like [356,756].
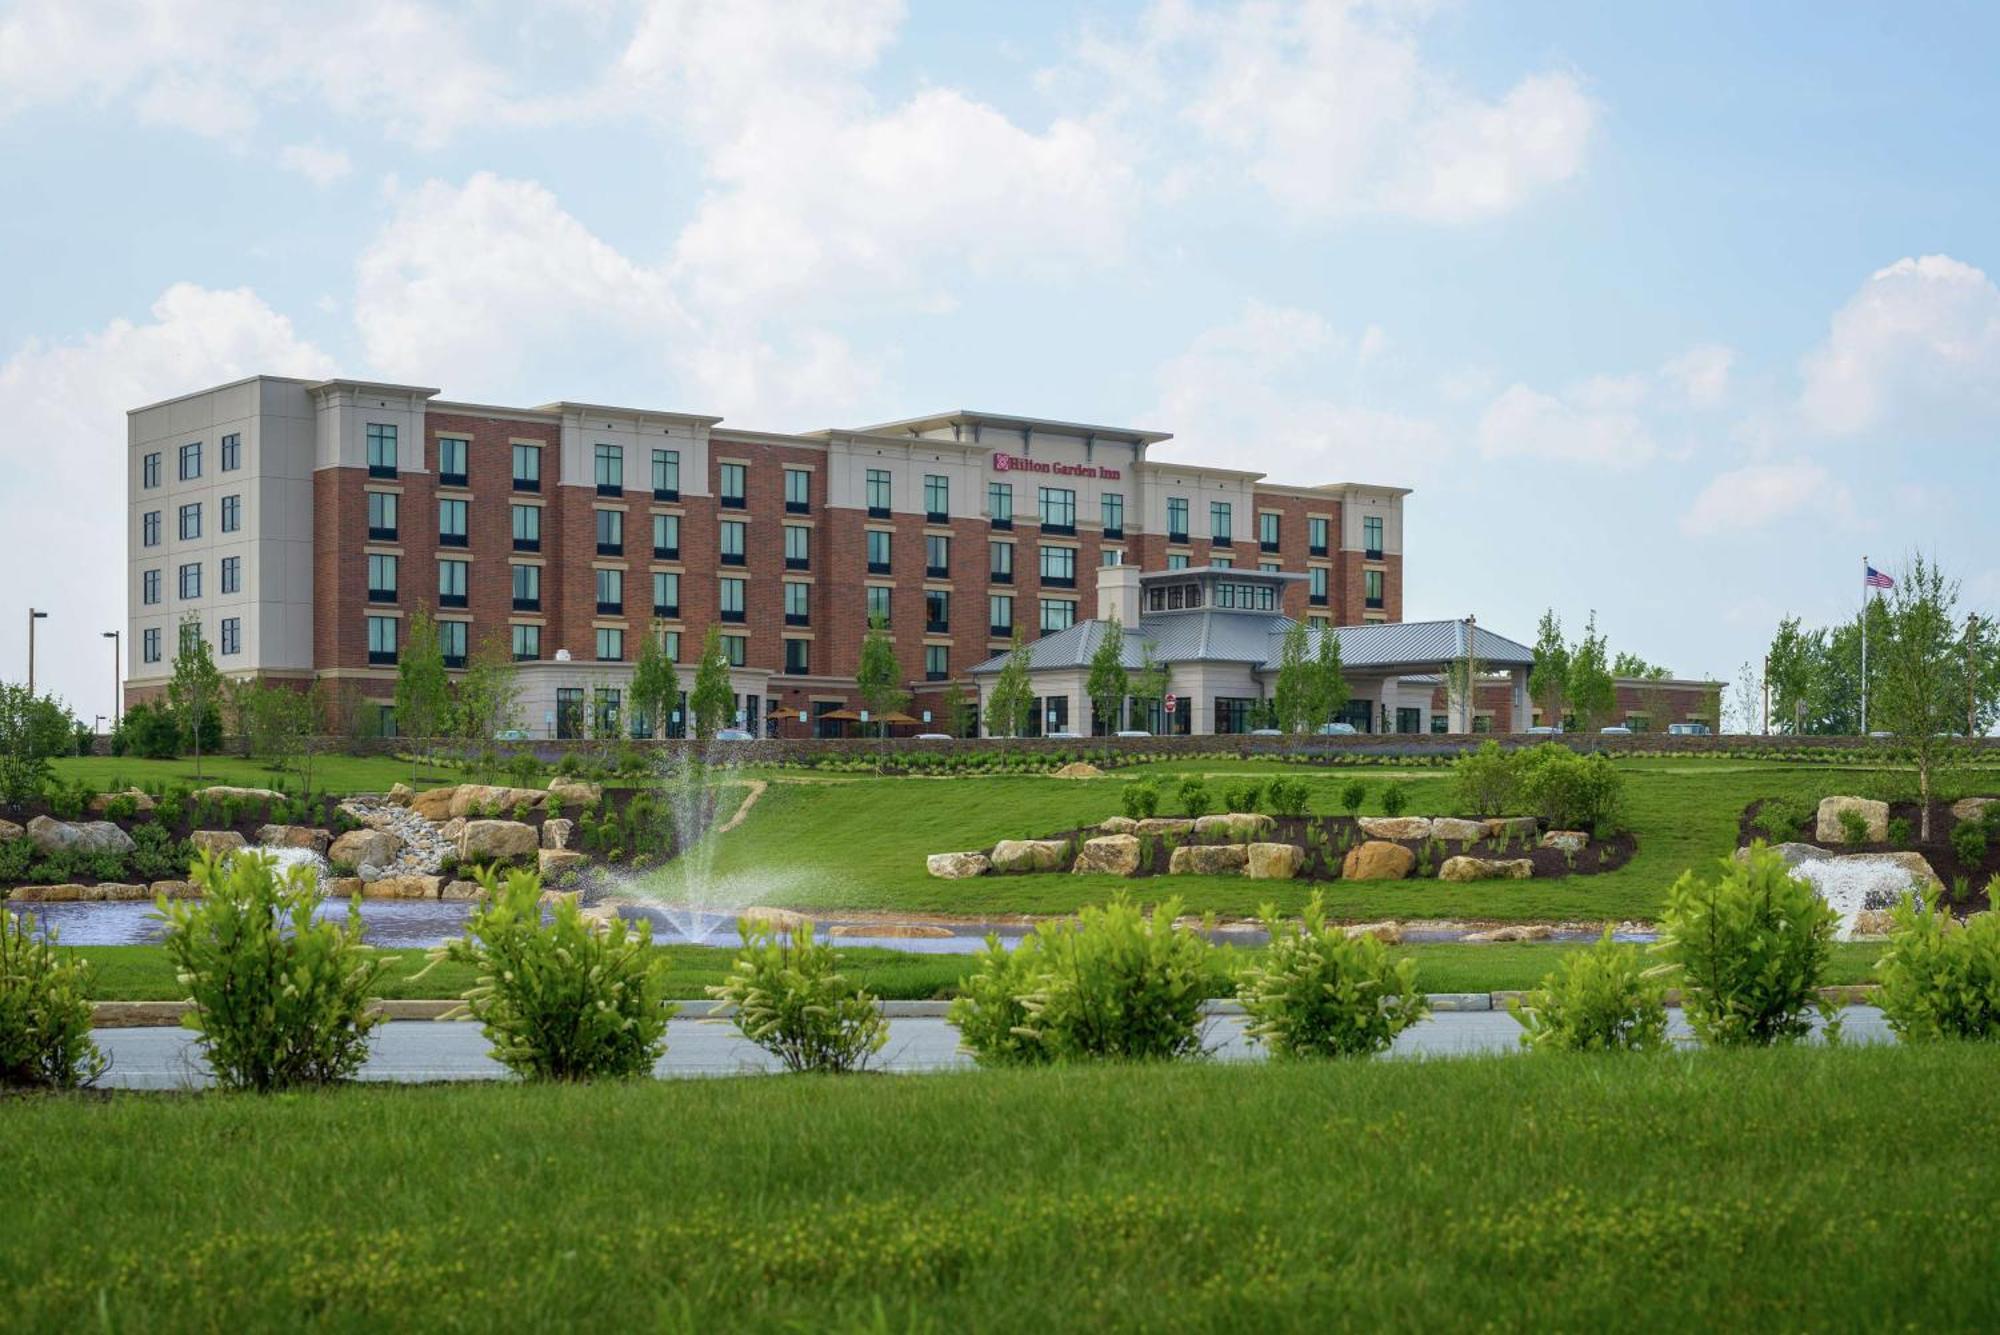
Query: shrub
[1394,799]
[1968,841]
[792,1001]
[1782,818]
[279,999]
[1598,1000]
[1486,782]
[1242,796]
[1941,978]
[148,730]
[1140,800]
[522,769]
[1900,833]
[1318,993]
[44,1012]
[1853,827]
[568,999]
[1287,797]
[991,1012]
[1573,792]
[1119,983]
[1752,946]
[1352,794]
[1194,796]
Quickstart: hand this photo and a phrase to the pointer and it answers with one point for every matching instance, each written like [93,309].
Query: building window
[734,496]
[1316,536]
[1177,519]
[735,649]
[149,528]
[191,582]
[878,604]
[1000,504]
[527,528]
[527,643]
[451,461]
[232,513]
[232,453]
[1000,614]
[527,588]
[610,644]
[1058,614]
[149,470]
[610,593]
[381,641]
[937,498]
[1268,567]
[150,645]
[1000,562]
[1111,556]
[1059,567]
[666,593]
[232,574]
[937,556]
[878,493]
[190,462]
[666,475]
[670,641]
[666,537]
[1371,537]
[381,516]
[1177,561]
[878,552]
[731,534]
[610,470]
[527,468]
[798,547]
[1371,588]
[149,587]
[732,606]
[937,662]
[1221,522]
[451,643]
[451,524]
[937,612]
[452,578]
[1316,585]
[190,521]
[798,657]
[381,450]
[381,578]
[1058,509]
[1221,562]
[798,491]
[610,532]
[1114,514]
[798,604]
[569,712]
[1233,714]
[1267,532]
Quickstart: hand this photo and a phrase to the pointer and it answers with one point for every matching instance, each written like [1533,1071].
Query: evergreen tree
[1548,680]
[1012,696]
[713,697]
[1592,696]
[422,689]
[195,690]
[878,676]
[656,685]
[1291,696]
[1108,682]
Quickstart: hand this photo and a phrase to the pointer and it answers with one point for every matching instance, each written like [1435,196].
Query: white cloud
[1917,349]
[320,165]
[1594,425]
[1702,374]
[65,406]
[1758,495]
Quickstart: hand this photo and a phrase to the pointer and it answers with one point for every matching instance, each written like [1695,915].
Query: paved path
[429,1050]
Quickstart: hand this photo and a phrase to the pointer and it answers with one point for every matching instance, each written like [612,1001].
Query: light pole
[117,682]
[33,617]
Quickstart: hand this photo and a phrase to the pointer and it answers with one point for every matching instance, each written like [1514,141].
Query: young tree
[1592,696]
[1149,685]
[1012,696]
[713,697]
[1919,696]
[1328,692]
[1461,681]
[236,706]
[422,689]
[964,713]
[274,719]
[1628,665]
[878,676]
[195,689]
[656,683]
[1289,692]
[1548,680]
[315,722]
[487,698]
[1109,683]
[1745,704]
[32,729]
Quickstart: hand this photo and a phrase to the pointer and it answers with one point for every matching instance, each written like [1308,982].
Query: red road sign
[1170,704]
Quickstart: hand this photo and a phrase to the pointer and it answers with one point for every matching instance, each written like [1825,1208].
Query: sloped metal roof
[1215,635]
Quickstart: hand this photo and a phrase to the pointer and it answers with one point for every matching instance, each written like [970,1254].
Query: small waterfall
[288,858]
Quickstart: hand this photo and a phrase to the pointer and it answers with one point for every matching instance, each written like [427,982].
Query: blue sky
[1672,312]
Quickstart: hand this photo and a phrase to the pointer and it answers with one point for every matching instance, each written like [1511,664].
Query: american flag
[1875,579]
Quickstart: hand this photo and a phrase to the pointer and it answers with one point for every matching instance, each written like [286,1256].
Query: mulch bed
[1937,850]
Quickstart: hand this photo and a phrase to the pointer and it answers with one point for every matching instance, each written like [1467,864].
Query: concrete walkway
[416,1050]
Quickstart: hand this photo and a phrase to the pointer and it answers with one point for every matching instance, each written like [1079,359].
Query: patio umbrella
[841,716]
[895,717]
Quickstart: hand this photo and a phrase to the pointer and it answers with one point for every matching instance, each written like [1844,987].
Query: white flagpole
[1864,646]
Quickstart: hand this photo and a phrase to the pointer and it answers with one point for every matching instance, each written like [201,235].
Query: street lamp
[33,617]
[117,682]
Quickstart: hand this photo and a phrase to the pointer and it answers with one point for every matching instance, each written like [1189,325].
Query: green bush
[1900,833]
[1394,799]
[1598,1000]
[567,999]
[990,1011]
[1573,792]
[1782,818]
[1119,983]
[1941,978]
[792,1001]
[1752,947]
[1352,794]
[1486,782]
[44,1012]
[1287,797]
[1141,799]
[1318,993]
[1968,841]
[279,999]
[1853,827]
[1194,795]
[1242,796]
[148,730]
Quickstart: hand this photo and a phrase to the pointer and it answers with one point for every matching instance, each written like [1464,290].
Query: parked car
[1687,729]
[1543,730]
[1131,732]
[510,735]
[1064,736]
[733,735]
[1337,730]
[1615,730]
[933,736]
[1265,732]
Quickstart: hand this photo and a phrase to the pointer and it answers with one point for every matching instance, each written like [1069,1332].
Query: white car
[1687,729]
[1615,730]
[733,735]
[1131,732]
[1337,730]
[1543,730]
[1266,732]
[1063,736]
[934,737]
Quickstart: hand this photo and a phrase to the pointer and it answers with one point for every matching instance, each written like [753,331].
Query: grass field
[1795,1189]
[331,774]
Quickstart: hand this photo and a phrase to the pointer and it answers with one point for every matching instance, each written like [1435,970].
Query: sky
[1668,313]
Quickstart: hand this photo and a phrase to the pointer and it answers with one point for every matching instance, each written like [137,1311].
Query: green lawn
[331,774]
[1795,1189]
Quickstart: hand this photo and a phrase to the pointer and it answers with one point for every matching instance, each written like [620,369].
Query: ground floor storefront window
[1234,713]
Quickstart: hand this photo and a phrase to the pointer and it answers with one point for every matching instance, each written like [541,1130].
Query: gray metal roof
[1217,635]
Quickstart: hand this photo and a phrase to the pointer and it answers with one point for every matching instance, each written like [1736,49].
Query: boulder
[1208,860]
[1118,825]
[451,829]
[345,888]
[1486,869]
[433,804]
[403,887]
[1377,860]
[1872,922]
[223,792]
[217,843]
[1510,827]
[141,801]
[1972,808]
[1388,932]
[1240,826]
[1528,931]
[462,890]
[785,920]
[894,931]
[294,836]
[1396,827]
[1454,830]
[373,818]
[362,847]
[470,799]
[1792,853]
[497,841]
[401,793]
[553,862]
[574,794]
[1566,841]
[9,832]
[88,836]
[1109,855]
[1157,825]
[1274,862]
[556,831]
[1828,829]
[1912,865]
[174,890]
[67,893]
[953,866]
[120,892]
[1030,854]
